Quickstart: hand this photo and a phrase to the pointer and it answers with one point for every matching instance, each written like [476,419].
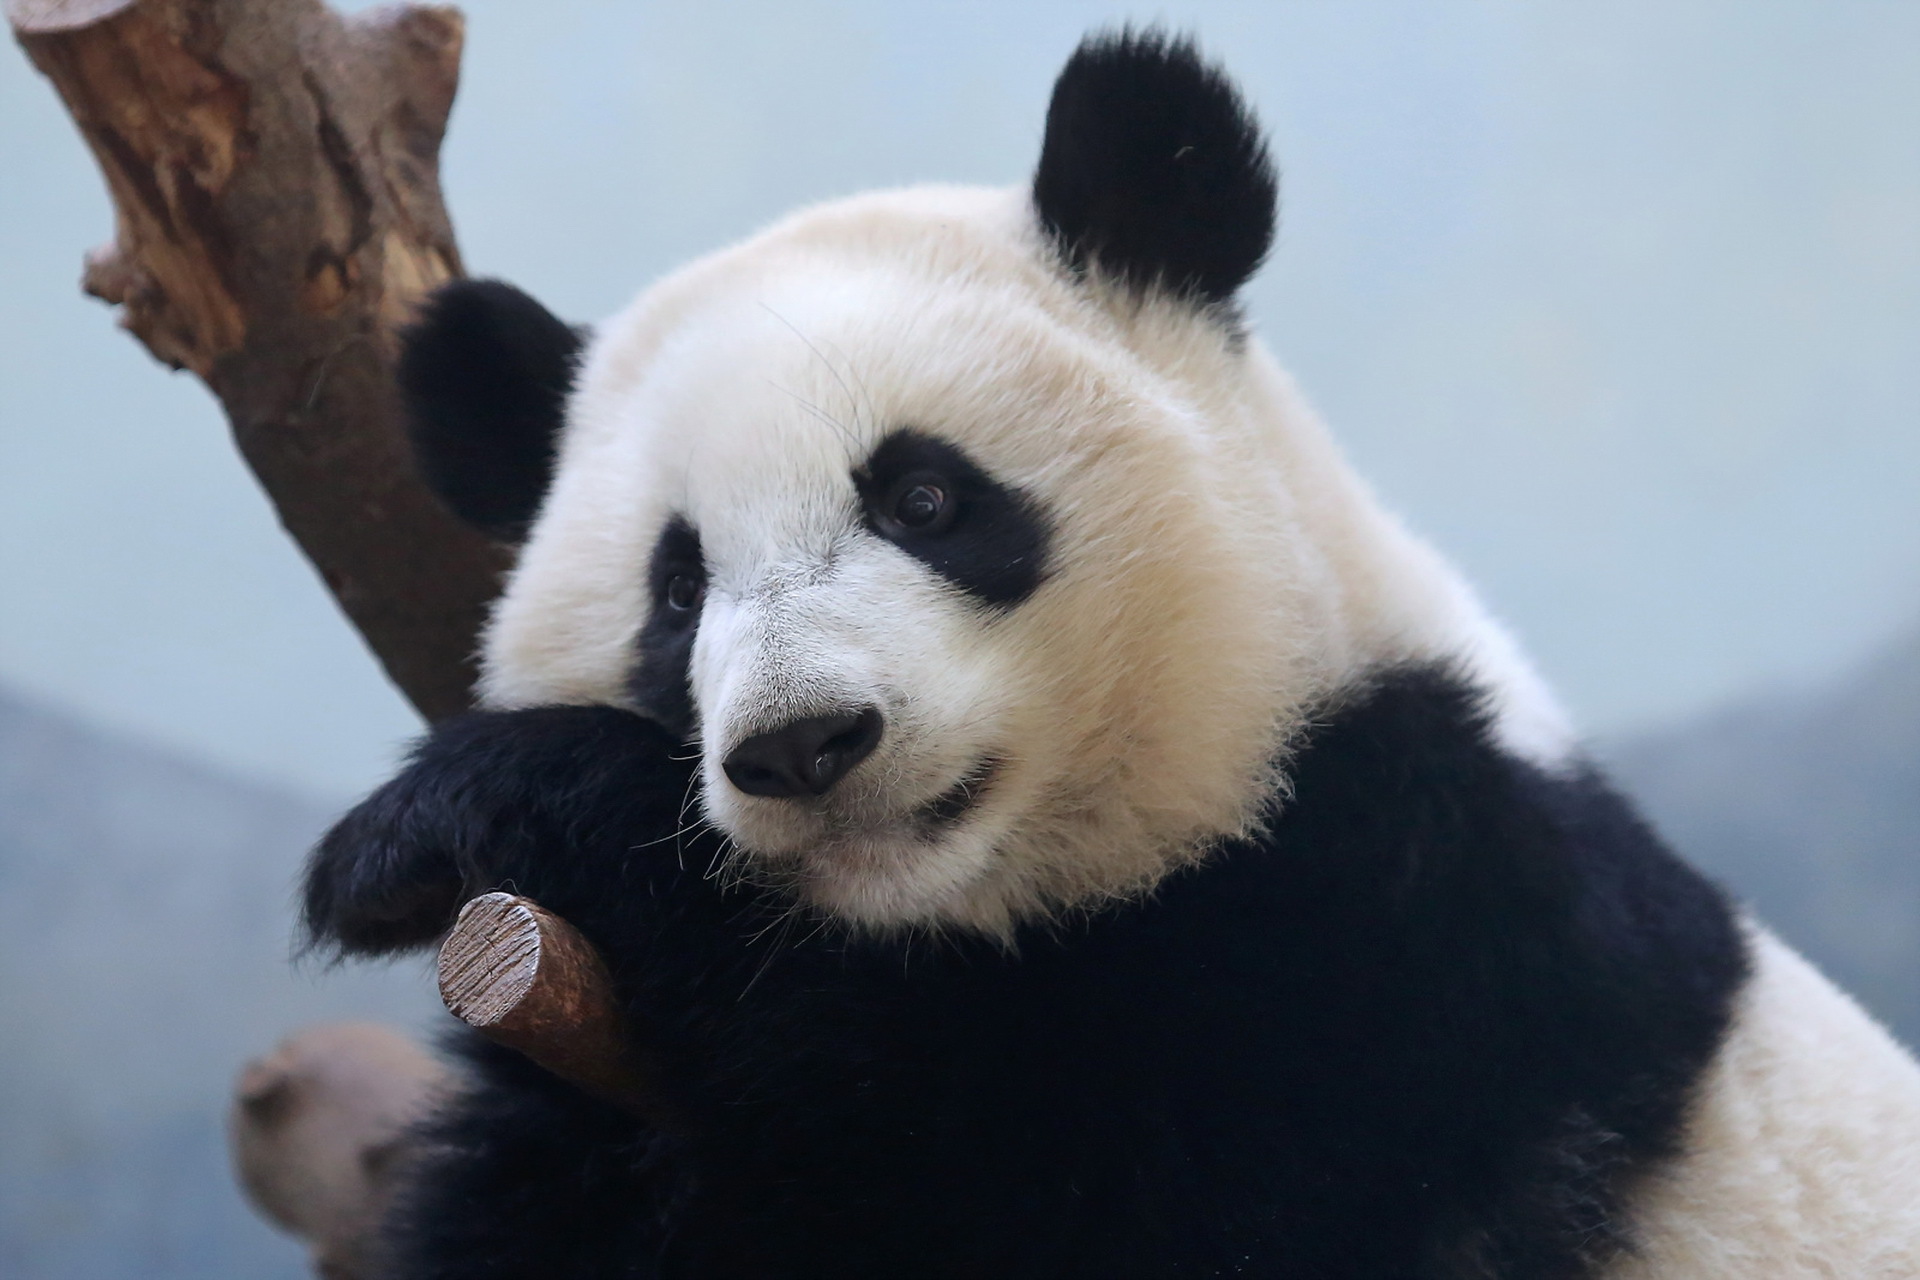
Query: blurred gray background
[1618,303]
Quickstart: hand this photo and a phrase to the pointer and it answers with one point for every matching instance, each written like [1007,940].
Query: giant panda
[1043,816]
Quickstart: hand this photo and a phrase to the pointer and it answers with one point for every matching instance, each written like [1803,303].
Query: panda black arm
[490,800]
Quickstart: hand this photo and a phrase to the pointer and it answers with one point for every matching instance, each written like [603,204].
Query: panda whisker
[820,925]
[725,868]
[853,400]
[688,798]
[783,921]
[783,941]
[865,399]
[729,869]
[687,801]
[820,415]
[695,825]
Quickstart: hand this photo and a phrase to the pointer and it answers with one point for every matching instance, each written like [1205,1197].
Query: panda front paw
[383,879]
[487,799]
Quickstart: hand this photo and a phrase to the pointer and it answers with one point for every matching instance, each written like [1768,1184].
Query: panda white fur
[1045,817]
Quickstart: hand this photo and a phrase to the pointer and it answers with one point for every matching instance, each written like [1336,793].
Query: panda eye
[921,502]
[685,591]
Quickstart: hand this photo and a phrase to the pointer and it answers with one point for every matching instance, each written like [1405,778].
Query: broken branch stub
[527,979]
[274,170]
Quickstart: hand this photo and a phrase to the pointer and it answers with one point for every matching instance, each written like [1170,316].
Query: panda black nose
[805,757]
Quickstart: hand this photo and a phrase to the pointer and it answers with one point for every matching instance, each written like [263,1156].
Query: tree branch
[274,169]
[527,979]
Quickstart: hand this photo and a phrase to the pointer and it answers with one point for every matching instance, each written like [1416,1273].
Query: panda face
[909,554]
[986,564]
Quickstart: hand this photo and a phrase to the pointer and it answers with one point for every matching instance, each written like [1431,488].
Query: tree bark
[525,978]
[274,168]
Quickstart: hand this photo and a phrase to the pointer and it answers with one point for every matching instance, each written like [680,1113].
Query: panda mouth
[953,804]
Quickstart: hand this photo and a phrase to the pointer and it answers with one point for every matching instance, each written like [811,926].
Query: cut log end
[526,979]
[490,961]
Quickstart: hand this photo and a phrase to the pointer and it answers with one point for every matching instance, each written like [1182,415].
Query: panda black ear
[485,373]
[1154,168]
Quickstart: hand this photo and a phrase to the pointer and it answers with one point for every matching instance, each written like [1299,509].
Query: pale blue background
[1619,303]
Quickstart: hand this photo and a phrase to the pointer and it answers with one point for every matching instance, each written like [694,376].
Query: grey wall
[145,953]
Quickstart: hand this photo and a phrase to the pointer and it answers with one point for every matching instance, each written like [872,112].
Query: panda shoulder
[1801,1156]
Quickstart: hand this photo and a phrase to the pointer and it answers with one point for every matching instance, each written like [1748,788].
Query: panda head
[958,530]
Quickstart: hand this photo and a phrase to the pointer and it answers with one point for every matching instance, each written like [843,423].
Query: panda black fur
[1043,818]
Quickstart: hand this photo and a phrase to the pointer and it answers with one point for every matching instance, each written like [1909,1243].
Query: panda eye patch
[920,502]
[929,499]
[677,586]
[685,592]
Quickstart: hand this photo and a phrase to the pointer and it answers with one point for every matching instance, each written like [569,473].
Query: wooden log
[274,170]
[527,979]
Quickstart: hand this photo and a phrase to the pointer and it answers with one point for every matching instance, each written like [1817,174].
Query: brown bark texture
[274,170]
[527,979]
